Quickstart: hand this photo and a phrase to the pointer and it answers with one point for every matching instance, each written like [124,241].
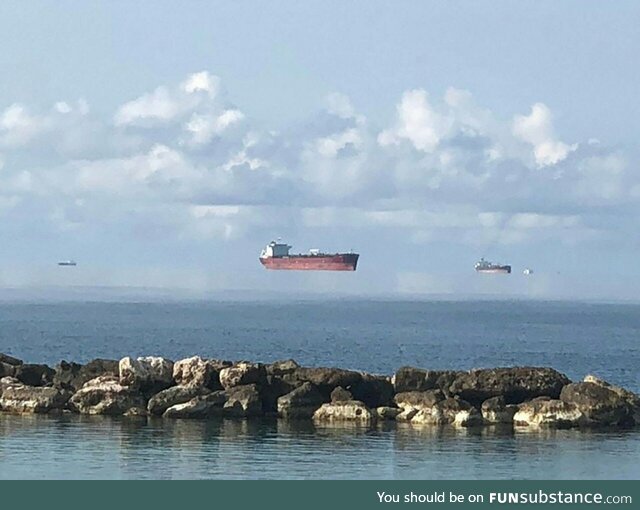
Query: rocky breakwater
[202,388]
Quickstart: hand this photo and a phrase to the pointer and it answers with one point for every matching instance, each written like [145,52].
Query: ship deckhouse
[274,249]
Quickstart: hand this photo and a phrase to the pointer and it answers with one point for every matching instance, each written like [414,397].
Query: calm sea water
[376,336]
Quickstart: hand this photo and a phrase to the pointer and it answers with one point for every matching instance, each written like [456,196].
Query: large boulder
[417,379]
[7,370]
[302,402]
[73,376]
[631,398]
[418,399]
[34,374]
[19,398]
[345,411]
[165,399]
[325,379]
[516,384]
[386,413]
[243,373]
[9,360]
[599,405]
[450,411]
[243,401]
[373,390]
[275,388]
[150,374]
[282,367]
[546,412]
[106,395]
[204,406]
[196,371]
[339,394]
[496,411]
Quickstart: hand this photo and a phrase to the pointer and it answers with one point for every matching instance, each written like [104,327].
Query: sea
[377,336]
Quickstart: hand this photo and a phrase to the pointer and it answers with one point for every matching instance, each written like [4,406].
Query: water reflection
[72,446]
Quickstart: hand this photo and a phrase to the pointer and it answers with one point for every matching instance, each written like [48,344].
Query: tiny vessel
[276,256]
[484,266]
[67,263]
[527,271]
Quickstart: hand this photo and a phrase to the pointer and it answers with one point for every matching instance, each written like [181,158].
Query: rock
[599,405]
[7,370]
[450,411]
[136,412]
[150,374]
[418,399]
[198,372]
[386,413]
[34,375]
[73,376]
[495,410]
[416,379]
[325,379]
[9,360]
[275,388]
[373,390]
[301,402]
[282,367]
[546,412]
[631,398]
[350,410]
[204,406]
[165,399]
[243,401]
[406,414]
[7,381]
[243,373]
[515,384]
[19,398]
[105,395]
[339,394]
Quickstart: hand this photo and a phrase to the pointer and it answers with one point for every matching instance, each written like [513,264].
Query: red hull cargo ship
[276,256]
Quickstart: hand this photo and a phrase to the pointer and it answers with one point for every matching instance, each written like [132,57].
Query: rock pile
[202,388]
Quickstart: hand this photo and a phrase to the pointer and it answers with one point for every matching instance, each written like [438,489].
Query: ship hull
[337,262]
[497,270]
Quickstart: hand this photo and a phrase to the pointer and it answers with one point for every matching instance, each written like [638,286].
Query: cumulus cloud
[181,161]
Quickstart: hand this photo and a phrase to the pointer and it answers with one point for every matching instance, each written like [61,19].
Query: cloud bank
[182,161]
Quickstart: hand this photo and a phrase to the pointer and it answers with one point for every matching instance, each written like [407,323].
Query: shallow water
[376,336]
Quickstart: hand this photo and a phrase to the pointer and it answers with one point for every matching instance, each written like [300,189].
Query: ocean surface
[376,336]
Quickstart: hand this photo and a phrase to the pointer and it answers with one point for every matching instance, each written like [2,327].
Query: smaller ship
[484,266]
[527,271]
[276,256]
[67,263]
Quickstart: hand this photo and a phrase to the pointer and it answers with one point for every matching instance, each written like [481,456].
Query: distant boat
[276,256]
[527,271]
[67,263]
[484,266]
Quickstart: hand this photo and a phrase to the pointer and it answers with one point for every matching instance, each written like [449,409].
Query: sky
[161,145]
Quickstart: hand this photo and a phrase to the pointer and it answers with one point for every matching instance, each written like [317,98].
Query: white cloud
[18,127]
[537,130]
[204,128]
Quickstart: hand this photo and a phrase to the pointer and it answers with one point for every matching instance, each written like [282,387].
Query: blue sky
[162,144]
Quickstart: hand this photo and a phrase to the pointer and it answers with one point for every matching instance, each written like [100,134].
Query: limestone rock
[204,406]
[302,402]
[325,379]
[7,370]
[516,384]
[631,398]
[495,410]
[34,374]
[73,376]
[373,390]
[243,401]
[386,413]
[418,398]
[9,360]
[196,371]
[165,399]
[19,398]
[243,373]
[150,374]
[282,367]
[450,411]
[417,379]
[546,412]
[350,411]
[600,405]
[339,394]
[136,412]
[105,395]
